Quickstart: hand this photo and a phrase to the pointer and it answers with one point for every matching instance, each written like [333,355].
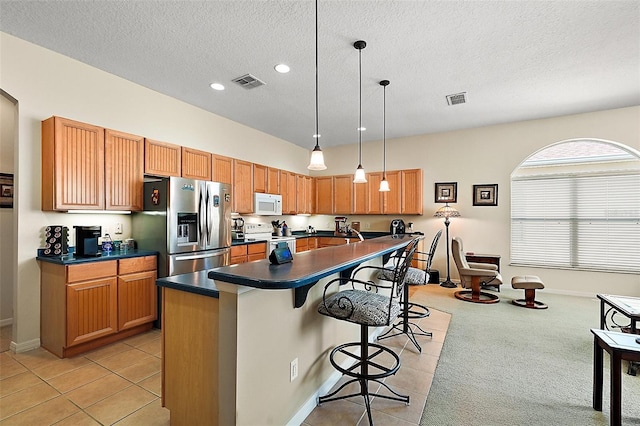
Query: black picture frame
[6,190]
[485,195]
[446,192]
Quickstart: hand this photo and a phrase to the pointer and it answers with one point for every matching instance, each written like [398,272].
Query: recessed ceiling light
[282,68]
[361,129]
[217,86]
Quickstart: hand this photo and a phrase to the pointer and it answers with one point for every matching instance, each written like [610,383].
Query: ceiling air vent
[458,98]
[248,81]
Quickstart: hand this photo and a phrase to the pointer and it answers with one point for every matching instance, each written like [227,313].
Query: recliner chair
[473,276]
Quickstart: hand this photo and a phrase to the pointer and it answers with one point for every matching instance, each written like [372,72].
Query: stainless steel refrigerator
[187,221]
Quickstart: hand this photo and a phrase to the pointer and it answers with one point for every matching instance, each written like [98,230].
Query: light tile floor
[120,384]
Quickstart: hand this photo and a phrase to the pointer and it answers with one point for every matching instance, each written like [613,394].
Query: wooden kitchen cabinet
[324,195]
[392,200]
[137,294]
[412,191]
[196,164]
[162,158]
[306,244]
[343,194]
[222,169]
[304,194]
[248,252]
[242,186]
[273,180]
[72,165]
[374,196]
[260,178]
[124,171]
[91,304]
[288,191]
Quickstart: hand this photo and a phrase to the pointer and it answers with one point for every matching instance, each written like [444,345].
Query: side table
[620,346]
[624,305]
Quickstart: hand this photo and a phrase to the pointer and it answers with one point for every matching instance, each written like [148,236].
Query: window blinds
[582,222]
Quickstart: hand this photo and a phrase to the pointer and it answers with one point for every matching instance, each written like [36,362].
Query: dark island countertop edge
[311,278]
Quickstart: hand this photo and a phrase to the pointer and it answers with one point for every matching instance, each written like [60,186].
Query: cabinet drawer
[258,248]
[238,250]
[136,264]
[91,270]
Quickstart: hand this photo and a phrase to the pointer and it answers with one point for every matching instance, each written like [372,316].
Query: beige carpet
[506,365]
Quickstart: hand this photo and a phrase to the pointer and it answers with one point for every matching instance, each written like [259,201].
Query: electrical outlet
[118,228]
[367,225]
[293,369]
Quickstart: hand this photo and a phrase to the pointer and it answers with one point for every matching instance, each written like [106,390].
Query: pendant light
[360,176]
[384,184]
[317,158]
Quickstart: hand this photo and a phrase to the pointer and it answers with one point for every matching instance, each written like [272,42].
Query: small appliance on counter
[56,240]
[237,230]
[397,226]
[87,241]
[341,225]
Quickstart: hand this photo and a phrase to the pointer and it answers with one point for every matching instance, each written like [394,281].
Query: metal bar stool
[368,304]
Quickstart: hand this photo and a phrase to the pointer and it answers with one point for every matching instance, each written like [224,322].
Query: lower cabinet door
[137,299]
[92,310]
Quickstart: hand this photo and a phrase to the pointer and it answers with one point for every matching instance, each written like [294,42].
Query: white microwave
[267,204]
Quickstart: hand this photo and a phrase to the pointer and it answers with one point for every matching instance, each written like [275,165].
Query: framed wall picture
[485,195]
[446,192]
[6,190]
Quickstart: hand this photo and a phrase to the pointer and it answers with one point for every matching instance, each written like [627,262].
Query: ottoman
[528,283]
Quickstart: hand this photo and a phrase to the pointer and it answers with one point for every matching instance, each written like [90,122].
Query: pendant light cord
[360,118]
[317,135]
[384,132]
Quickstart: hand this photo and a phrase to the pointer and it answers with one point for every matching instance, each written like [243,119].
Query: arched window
[576,204]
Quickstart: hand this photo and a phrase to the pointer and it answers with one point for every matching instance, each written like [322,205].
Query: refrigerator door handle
[208,205]
[201,223]
[200,256]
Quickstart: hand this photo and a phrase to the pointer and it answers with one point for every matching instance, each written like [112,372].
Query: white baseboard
[312,402]
[24,346]
[7,321]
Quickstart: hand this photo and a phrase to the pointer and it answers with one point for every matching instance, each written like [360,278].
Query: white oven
[291,242]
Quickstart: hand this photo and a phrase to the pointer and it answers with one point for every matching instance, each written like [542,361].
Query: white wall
[8,127]
[489,155]
[46,83]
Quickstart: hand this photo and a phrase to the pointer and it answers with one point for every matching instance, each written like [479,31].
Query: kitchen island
[228,360]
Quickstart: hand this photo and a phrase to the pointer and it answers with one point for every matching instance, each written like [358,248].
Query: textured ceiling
[517,60]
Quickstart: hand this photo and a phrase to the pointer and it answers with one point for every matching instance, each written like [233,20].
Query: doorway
[8,220]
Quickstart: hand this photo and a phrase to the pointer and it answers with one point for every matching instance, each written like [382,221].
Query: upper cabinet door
[374,196]
[162,158]
[260,178]
[72,165]
[273,180]
[324,195]
[393,198]
[221,169]
[343,194]
[242,186]
[124,171]
[412,191]
[196,164]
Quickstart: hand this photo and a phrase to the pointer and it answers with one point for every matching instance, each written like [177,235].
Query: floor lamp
[447,212]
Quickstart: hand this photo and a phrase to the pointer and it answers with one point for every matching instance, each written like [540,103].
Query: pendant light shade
[317,158]
[360,175]
[384,184]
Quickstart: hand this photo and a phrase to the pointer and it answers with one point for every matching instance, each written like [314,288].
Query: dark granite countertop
[194,282]
[310,266]
[71,259]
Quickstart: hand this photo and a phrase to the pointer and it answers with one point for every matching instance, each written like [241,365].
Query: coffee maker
[87,241]
[341,225]
[397,227]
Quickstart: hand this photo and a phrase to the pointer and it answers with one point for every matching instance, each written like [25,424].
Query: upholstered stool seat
[528,283]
